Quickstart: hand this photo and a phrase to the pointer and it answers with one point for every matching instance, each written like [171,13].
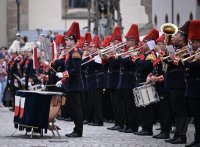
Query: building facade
[174,11]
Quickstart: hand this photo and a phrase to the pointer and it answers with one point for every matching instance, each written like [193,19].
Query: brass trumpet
[179,53]
[190,57]
[132,50]
[168,29]
[108,49]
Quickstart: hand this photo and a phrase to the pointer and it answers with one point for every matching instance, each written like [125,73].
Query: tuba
[168,29]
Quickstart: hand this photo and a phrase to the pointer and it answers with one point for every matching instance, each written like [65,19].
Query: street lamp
[18,14]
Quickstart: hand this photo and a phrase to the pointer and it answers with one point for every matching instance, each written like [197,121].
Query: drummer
[144,66]
[164,105]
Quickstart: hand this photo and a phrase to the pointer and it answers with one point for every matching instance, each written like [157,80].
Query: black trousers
[96,105]
[146,116]
[85,106]
[194,104]
[131,117]
[107,106]
[180,110]
[165,113]
[74,101]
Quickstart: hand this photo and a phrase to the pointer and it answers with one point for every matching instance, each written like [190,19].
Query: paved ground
[92,137]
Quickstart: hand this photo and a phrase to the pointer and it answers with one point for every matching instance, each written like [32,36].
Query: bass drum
[55,106]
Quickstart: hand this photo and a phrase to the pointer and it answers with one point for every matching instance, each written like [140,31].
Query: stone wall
[12,18]
[148,9]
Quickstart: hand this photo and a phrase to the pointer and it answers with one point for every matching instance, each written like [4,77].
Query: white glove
[43,87]
[97,59]
[59,84]
[16,84]
[59,74]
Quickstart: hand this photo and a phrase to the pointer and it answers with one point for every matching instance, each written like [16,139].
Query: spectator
[3,78]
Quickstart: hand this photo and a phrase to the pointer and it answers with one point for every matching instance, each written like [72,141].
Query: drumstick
[47,63]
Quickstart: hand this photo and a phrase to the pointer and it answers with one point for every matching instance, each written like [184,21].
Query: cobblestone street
[92,137]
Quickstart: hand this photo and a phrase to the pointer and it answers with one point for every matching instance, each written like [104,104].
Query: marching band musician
[192,75]
[127,81]
[113,76]
[71,78]
[164,105]
[95,84]
[85,94]
[175,82]
[144,66]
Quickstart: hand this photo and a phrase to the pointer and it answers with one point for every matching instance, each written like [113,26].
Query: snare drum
[145,95]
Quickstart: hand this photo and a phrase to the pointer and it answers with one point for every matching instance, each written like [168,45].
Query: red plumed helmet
[59,39]
[95,42]
[74,31]
[116,35]
[80,42]
[152,35]
[161,38]
[194,30]
[106,41]
[87,38]
[133,33]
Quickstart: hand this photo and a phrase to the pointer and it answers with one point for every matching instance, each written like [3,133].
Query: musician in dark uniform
[192,75]
[85,98]
[113,76]
[127,81]
[144,66]
[72,80]
[164,105]
[175,82]
[95,79]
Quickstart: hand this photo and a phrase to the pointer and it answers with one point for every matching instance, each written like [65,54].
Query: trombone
[132,50]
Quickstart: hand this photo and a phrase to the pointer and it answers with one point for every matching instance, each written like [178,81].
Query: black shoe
[109,121]
[162,136]
[60,118]
[86,122]
[111,127]
[179,140]
[96,124]
[129,130]
[122,130]
[173,131]
[144,133]
[73,135]
[193,144]
[170,140]
[68,119]
[116,128]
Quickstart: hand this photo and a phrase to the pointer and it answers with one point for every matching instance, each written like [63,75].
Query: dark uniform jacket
[73,66]
[127,74]
[174,75]
[143,68]
[95,76]
[192,75]
[113,73]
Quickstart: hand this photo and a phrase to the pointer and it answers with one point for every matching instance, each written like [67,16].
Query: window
[155,21]
[191,16]
[78,3]
[166,18]
[178,19]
